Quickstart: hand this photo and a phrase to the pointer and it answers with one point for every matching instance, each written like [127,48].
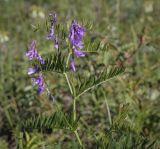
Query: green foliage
[29,141]
[3,144]
[119,139]
[87,24]
[97,79]
[123,134]
[54,63]
[94,45]
[57,120]
[62,34]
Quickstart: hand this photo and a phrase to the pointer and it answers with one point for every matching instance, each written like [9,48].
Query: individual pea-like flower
[32,70]
[51,33]
[33,54]
[75,36]
[40,59]
[39,81]
[78,53]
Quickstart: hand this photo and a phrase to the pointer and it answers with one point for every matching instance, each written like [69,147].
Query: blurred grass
[122,23]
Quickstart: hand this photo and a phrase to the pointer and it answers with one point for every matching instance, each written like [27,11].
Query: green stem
[66,76]
[74,100]
[108,110]
[57,106]
[68,59]
[74,109]
[78,138]
[74,104]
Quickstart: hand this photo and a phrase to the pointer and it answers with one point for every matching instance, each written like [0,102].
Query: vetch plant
[73,40]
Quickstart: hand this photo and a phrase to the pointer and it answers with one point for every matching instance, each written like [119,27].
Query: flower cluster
[75,36]
[52,30]
[39,81]
[33,54]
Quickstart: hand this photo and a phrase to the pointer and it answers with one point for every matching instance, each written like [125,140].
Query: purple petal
[54,17]
[80,45]
[52,26]
[40,88]
[39,81]
[32,70]
[75,36]
[36,80]
[32,45]
[51,33]
[40,59]
[32,52]
[79,53]
[72,64]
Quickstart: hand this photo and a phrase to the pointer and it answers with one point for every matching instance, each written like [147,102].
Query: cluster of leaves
[57,120]
[123,134]
[95,80]
[53,63]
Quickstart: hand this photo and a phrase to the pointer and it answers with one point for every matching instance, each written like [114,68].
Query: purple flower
[72,64]
[78,53]
[40,59]
[52,30]
[56,41]
[32,70]
[39,81]
[33,54]
[76,34]
[52,27]
[51,33]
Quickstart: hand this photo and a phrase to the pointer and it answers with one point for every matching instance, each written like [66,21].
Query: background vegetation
[131,29]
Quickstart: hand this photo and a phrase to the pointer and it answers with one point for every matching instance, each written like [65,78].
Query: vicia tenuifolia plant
[74,41]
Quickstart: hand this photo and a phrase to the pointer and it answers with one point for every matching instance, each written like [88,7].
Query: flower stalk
[74,107]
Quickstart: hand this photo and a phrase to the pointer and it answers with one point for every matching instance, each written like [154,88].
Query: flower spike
[75,36]
[39,81]
[33,54]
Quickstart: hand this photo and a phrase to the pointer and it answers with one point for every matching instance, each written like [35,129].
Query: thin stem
[74,104]
[49,93]
[78,138]
[68,59]
[66,76]
[74,109]
[108,110]
[74,100]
